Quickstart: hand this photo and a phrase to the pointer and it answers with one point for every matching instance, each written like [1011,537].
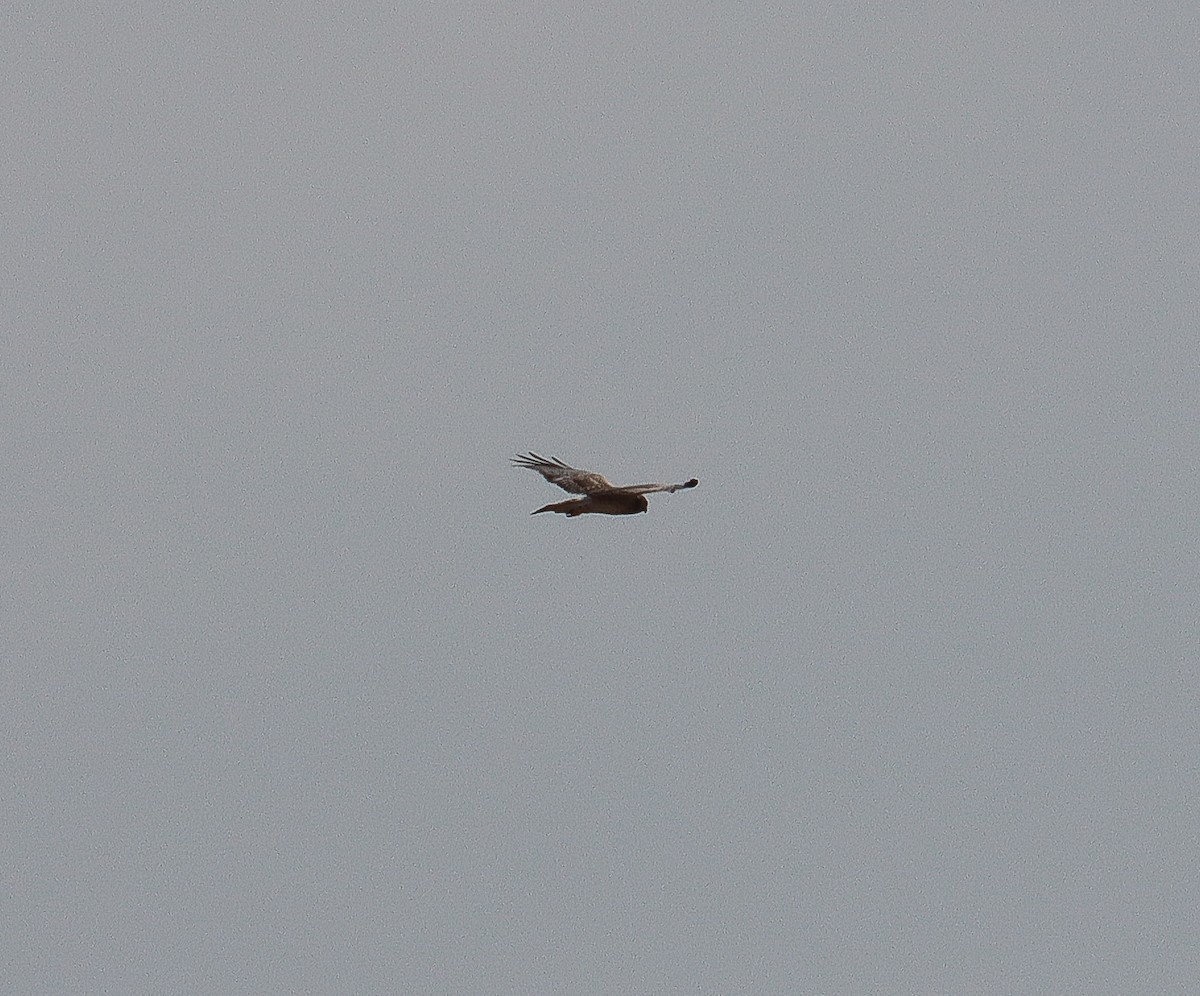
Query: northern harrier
[600,496]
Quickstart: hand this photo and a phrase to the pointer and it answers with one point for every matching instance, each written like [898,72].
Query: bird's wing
[646,489]
[572,479]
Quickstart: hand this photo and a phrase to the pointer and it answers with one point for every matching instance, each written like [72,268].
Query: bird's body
[601,496]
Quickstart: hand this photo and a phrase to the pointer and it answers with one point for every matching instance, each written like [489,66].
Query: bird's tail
[571,507]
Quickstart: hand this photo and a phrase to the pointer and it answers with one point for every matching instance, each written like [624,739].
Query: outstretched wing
[646,489]
[572,479]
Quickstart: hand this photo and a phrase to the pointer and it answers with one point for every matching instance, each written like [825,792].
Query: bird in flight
[600,496]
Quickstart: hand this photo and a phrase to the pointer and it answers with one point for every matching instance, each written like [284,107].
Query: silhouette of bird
[601,496]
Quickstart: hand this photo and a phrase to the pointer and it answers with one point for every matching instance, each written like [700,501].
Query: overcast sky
[299,698]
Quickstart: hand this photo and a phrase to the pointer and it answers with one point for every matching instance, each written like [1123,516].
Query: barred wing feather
[572,479]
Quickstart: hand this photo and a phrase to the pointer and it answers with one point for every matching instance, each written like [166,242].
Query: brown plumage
[600,495]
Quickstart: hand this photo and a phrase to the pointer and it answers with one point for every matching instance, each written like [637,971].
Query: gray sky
[299,698]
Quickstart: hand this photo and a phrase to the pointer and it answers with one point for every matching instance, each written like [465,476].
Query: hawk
[600,495]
